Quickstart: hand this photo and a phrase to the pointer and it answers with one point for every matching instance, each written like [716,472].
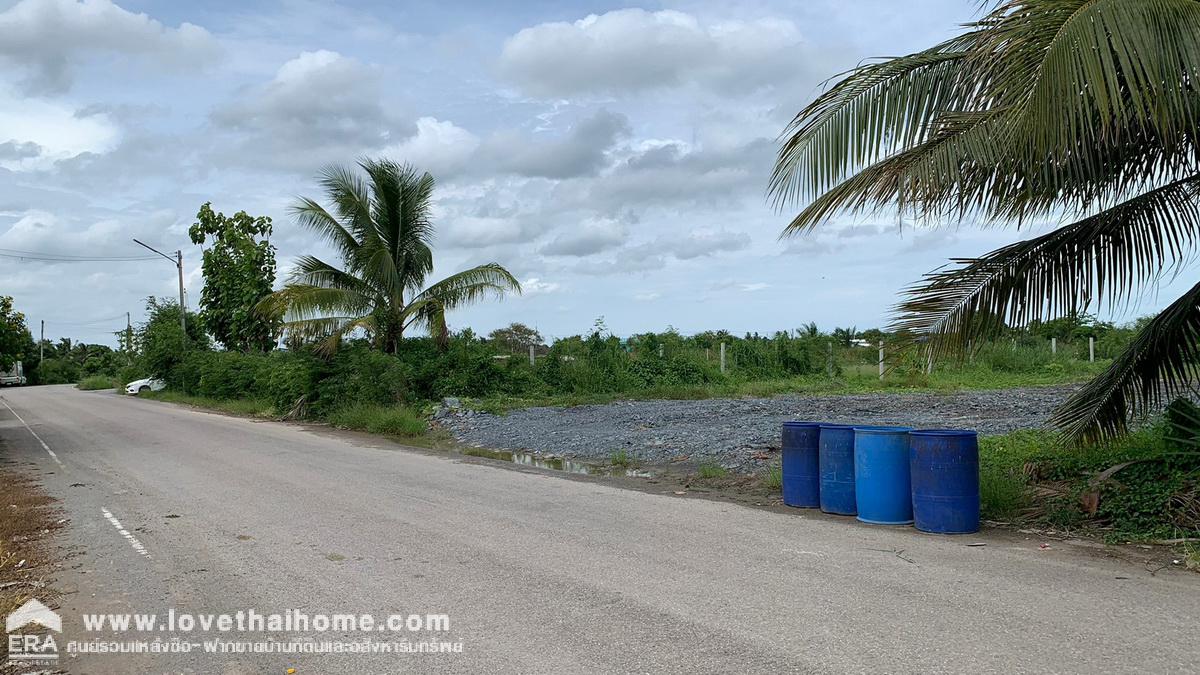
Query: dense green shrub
[378,419]
[358,374]
[1145,485]
[57,371]
[227,374]
[96,382]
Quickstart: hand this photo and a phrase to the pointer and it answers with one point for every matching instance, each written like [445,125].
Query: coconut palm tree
[381,226]
[1084,112]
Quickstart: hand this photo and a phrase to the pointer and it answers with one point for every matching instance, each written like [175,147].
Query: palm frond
[311,215]
[301,302]
[328,332]
[1106,257]
[312,271]
[874,107]
[471,285]
[351,199]
[1162,362]
[1042,105]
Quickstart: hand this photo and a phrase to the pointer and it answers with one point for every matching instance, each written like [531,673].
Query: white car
[146,384]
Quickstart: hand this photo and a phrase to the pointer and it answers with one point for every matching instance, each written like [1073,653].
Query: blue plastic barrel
[945,480]
[801,476]
[881,475]
[836,459]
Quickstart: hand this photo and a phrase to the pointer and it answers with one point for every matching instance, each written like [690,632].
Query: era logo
[33,648]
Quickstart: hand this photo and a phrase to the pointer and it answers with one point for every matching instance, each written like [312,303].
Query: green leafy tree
[381,225]
[1088,109]
[516,338]
[161,340]
[16,342]
[239,271]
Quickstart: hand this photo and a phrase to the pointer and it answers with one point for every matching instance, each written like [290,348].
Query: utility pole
[178,260]
[128,337]
[42,344]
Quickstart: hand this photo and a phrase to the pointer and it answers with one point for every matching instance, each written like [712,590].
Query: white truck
[13,377]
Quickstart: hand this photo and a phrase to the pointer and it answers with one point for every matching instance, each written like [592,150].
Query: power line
[62,257]
[85,324]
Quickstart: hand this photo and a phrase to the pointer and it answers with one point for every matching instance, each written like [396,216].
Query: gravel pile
[738,434]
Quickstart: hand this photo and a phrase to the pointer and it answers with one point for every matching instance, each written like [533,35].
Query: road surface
[172,508]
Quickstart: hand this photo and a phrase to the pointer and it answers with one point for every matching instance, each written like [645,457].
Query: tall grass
[97,382]
[378,419]
[246,407]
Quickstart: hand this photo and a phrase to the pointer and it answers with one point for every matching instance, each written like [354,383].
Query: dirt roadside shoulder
[29,521]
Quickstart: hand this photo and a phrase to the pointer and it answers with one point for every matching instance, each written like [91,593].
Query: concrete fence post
[1091,350]
[1053,345]
[881,360]
[722,358]
[531,355]
[829,359]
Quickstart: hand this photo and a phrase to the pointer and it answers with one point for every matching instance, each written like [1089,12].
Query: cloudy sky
[613,156]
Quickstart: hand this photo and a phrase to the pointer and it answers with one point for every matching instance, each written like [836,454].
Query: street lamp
[178,260]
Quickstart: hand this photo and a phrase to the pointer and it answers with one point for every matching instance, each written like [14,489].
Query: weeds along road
[542,573]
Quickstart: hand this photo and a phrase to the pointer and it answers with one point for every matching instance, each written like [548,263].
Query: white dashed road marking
[39,438]
[133,541]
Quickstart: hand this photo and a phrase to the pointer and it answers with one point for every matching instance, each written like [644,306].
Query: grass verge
[97,382]
[1143,487]
[853,380]
[396,421]
[247,407]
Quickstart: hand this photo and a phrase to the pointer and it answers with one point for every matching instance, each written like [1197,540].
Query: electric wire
[41,256]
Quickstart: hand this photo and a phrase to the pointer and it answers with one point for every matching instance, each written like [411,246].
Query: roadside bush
[227,374]
[289,381]
[131,372]
[1145,485]
[357,374]
[57,371]
[97,382]
[165,352]
[378,419]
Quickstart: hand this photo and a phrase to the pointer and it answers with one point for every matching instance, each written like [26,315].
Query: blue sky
[612,155]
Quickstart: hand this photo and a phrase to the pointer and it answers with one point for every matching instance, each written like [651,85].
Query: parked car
[143,385]
[13,377]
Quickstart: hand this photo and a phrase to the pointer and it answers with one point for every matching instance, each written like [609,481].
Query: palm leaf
[471,285]
[1106,257]
[1161,363]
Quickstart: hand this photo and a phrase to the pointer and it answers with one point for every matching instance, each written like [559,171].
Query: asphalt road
[540,573]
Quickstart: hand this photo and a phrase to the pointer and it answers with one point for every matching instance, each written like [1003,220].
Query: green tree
[16,342]
[381,225]
[161,341]
[516,338]
[1088,109]
[239,271]
[846,336]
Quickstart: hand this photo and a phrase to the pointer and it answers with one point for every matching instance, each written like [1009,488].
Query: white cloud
[320,107]
[580,152]
[634,50]
[699,244]
[47,39]
[591,237]
[536,286]
[439,147]
[744,287]
[55,129]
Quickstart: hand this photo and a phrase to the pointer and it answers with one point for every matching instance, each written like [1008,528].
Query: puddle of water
[557,463]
